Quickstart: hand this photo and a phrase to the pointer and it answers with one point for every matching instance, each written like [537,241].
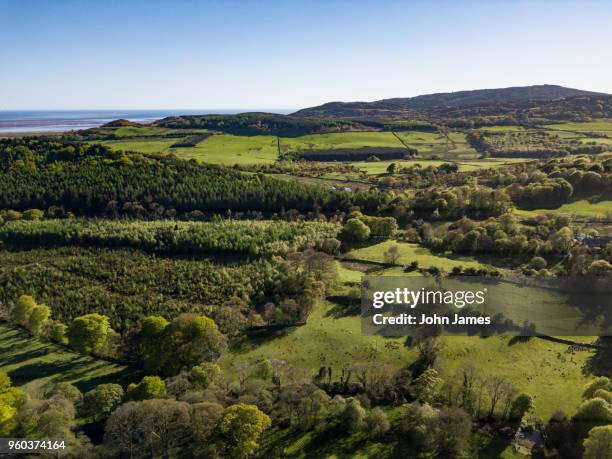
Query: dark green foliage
[256,123]
[94,180]
[126,285]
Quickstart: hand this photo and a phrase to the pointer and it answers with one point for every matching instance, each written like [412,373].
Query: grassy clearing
[543,369]
[33,364]
[327,339]
[412,252]
[582,208]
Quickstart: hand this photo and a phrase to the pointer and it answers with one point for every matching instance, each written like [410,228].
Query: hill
[549,102]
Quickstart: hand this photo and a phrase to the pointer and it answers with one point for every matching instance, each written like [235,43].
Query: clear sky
[290,54]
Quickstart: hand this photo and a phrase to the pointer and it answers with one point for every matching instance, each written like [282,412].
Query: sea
[66,120]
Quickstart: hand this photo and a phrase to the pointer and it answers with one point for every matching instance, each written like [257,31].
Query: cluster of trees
[536,144]
[358,154]
[587,434]
[417,176]
[546,240]
[95,180]
[170,236]
[436,202]
[359,227]
[554,182]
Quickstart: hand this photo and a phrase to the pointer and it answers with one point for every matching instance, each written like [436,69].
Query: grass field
[412,252]
[340,140]
[380,167]
[604,126]
[428,144]
[33,364]
[329,338]
[582,208]
[540,368]
[218,149]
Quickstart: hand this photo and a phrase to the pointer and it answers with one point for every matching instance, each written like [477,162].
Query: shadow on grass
[343,306]
[255,339]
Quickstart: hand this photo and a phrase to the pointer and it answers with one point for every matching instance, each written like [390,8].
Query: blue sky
[290,54]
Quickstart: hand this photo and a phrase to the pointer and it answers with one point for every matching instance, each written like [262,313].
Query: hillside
[548,101]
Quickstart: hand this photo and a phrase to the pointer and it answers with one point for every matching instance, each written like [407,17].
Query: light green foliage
[205,374]
[602,382]
[88,333]
[38,318]
[598,444]
[603,393]
[242,425]
[58,332]
[253,237]
[20,313]
[596,410]
[150,387]
[33,214]
[11,399]
[426,385]
[99,402]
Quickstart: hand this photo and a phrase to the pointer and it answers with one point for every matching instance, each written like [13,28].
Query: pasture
[223,149]
[410,252]
[34,364]
[581,208]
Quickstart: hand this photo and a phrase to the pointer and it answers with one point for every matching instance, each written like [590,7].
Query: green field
[582,208]
[325,340]
[218,149]
[541,368]
[412,252]
[340,140]
[437,144]
[32,363]
[603,126]
[380,167]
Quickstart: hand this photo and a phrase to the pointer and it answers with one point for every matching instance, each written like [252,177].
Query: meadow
[34,364]
[581,208]
[409,252]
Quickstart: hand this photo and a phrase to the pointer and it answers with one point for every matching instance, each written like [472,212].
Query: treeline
[547,246]
[358,154]
[530,144]
[248,237]
[93,180]
[436,202]
[258,124]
